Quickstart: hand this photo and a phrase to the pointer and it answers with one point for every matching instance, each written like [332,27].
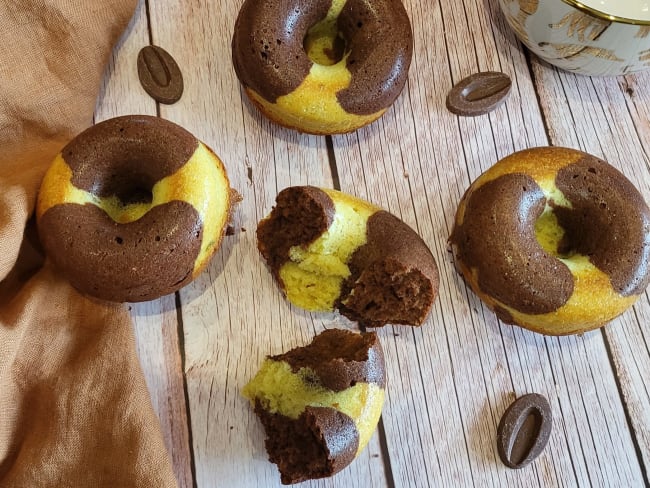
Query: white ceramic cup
[590,37]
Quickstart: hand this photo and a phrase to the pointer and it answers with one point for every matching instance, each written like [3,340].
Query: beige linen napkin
[74,407]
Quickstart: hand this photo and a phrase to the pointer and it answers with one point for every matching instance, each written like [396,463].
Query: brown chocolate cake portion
[300,216]
[340,359]
[380,41]
[608,221]
[163,244]
[497,238]
[394,277]
[318,444]
[267,46]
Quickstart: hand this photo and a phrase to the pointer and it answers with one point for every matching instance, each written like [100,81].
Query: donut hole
[135,195]
[566,232]
[127,183]
[552,236]
[324,44]
[130,197]
[324,48]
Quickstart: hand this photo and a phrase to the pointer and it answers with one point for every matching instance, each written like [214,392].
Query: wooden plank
[156,332]
[234,315]
[608,117]
[452,379]
[155,323]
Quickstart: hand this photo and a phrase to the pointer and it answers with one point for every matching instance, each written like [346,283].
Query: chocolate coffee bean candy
[479,93]
[524,430]
[159,74]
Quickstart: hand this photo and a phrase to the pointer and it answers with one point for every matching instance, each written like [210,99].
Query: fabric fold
[74,406]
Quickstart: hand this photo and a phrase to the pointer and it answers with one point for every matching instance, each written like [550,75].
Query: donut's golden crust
[597,293]
[325,118]
[580,315]
[139,250]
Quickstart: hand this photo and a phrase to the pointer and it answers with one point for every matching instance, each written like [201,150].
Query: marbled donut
[322,66]
[331,250]
[133,208]
[320,404]
[554,240]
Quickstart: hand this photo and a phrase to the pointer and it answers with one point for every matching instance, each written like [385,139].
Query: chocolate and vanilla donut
[322,66]
[554,240]
[133,208]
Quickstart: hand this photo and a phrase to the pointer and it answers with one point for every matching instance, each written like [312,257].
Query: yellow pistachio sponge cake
[329,250]
[320,404]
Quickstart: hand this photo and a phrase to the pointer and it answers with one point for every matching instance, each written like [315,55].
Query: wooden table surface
[450,380]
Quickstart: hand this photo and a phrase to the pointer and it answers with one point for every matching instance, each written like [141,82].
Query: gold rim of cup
[602,15]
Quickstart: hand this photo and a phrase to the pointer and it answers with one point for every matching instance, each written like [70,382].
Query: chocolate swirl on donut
[497,238]
[300,216]
[267,46]
[394,277]
[164,243]
[381,44]
[608,221]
